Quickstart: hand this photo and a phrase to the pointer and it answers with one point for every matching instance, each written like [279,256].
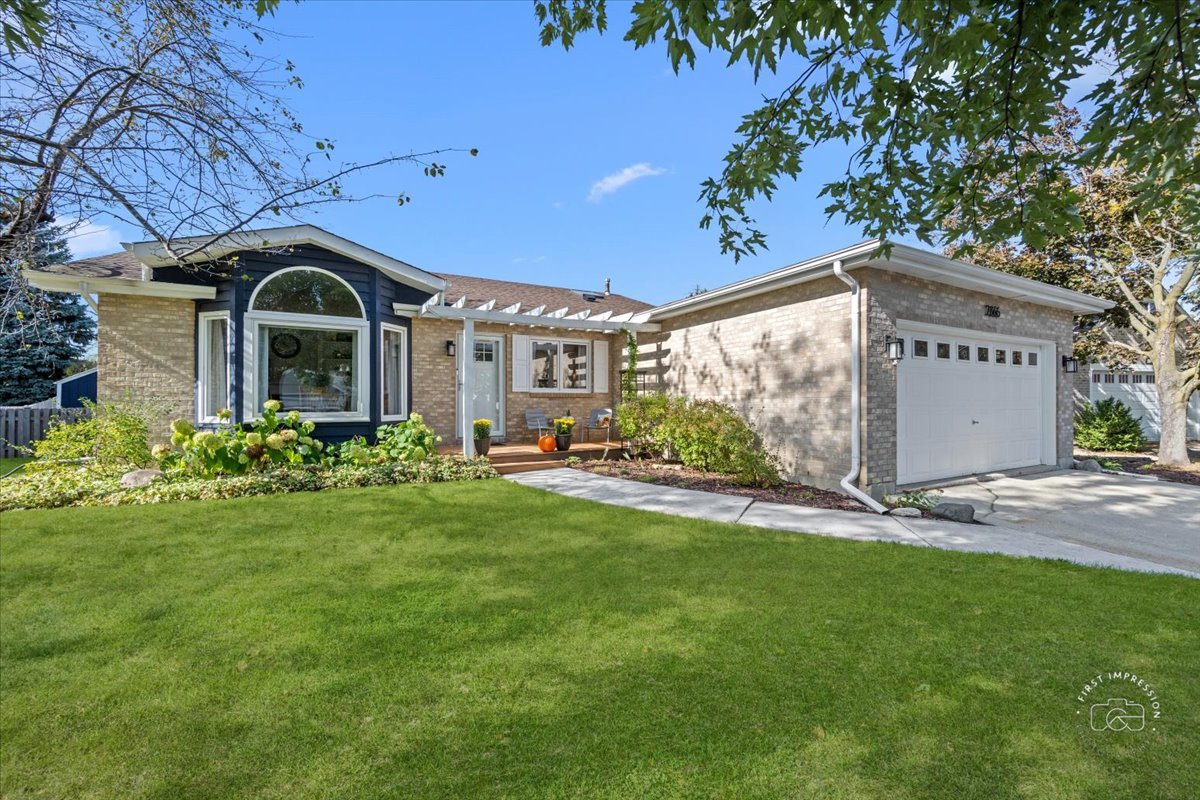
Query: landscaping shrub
[112,437]
[1108,425]
[702,434]
[231,449]
[638,419]
[410,440]
[80,487]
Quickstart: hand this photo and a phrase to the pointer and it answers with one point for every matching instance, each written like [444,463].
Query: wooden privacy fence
[19,426]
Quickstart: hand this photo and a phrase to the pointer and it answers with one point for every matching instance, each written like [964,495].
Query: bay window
[393,374]
[307,346]
[213,365]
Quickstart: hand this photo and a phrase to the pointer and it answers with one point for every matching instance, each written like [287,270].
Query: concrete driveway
[1154,521]
[1082,517]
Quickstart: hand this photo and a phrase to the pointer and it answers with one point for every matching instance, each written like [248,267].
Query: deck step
[512,467]
[500,455]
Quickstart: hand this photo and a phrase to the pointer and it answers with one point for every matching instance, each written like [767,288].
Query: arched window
[308,340]
[305,290]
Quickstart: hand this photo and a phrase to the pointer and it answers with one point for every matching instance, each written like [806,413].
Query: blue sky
[589,161]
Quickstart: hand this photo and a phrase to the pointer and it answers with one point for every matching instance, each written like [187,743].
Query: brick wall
[435,389]
[146,354]
[780,360]
[889,296]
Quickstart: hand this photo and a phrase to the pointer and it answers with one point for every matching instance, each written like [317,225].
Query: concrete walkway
[986,538]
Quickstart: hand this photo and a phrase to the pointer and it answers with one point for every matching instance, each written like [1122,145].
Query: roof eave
[904,259]
[152,255]
[82,284]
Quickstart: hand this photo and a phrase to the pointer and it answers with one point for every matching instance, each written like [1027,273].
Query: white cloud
[611,183]
[86,238]
[528,259]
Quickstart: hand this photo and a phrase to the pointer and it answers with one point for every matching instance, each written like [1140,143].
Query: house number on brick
[991,311]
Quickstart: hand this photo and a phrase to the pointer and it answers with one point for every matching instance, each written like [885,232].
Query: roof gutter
[849,481]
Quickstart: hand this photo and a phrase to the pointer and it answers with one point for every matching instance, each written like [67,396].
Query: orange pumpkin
[547,443]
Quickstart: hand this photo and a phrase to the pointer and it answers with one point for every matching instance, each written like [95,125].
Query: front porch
[526,457]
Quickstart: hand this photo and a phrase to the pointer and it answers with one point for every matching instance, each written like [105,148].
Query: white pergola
[537,317]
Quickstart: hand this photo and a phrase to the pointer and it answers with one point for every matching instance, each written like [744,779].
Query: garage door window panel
[983,355]
[1018,358]
[920,348]
[943,351]
[1001,356]
[964,352]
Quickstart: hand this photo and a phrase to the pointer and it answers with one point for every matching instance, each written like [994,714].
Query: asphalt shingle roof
[477,290]
[114,265]
[532,295]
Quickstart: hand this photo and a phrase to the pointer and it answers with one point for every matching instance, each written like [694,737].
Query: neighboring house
[70,392]
[1135,388]
[354,338]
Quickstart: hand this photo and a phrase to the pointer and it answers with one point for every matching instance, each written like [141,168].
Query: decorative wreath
[285,345]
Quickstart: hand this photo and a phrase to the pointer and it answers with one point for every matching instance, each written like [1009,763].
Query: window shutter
[520,363]
[600,366]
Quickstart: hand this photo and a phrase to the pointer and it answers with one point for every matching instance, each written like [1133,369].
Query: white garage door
[967,403]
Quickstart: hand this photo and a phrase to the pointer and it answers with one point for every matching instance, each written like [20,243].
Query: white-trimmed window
[212,359]
[559,365]
[307,346]
[393,373]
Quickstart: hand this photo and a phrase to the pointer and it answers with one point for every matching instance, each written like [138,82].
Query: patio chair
[535,420]
[599,419]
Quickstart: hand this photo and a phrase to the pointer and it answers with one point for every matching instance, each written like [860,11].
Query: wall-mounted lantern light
[1070,364]
[895,348]
[451,348]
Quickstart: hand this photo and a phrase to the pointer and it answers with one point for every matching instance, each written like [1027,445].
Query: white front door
[968,403]
[488,395]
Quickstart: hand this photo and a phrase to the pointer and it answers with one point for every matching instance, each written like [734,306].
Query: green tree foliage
[1147,261]
[1108,425]
[45,333]
[914,87]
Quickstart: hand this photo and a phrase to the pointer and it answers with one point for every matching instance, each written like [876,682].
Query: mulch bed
[664,474]
[1147,464]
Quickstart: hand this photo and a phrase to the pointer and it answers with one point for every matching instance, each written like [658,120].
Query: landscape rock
[957,512]
[1090,465]
[140,477]
[905,511]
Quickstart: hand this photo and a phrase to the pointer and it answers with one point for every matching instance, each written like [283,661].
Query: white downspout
[848,482]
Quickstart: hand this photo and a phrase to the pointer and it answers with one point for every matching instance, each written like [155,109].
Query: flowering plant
[483,428]
[231,449]
[564,425]
[410,440]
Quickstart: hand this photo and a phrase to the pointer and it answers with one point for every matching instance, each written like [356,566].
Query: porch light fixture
[451,348]
[895,348]
[1070,364]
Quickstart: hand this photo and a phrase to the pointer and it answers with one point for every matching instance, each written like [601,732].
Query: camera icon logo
[1117,714]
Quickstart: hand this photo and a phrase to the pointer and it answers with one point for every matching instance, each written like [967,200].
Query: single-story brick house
[948,368]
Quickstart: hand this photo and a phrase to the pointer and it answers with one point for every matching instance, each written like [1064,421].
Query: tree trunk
[1172,408]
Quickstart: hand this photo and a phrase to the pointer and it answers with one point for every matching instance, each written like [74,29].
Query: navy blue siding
[377,291]
[77,388]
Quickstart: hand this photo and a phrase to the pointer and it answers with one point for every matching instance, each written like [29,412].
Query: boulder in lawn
[139,478]
[1090,465]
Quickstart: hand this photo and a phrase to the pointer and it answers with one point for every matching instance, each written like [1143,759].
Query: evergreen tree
[48,332]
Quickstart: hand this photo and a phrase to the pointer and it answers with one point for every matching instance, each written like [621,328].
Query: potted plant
[483,436]
[562,432]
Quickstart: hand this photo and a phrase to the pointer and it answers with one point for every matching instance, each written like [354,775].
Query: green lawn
[9,464]
[486,640]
